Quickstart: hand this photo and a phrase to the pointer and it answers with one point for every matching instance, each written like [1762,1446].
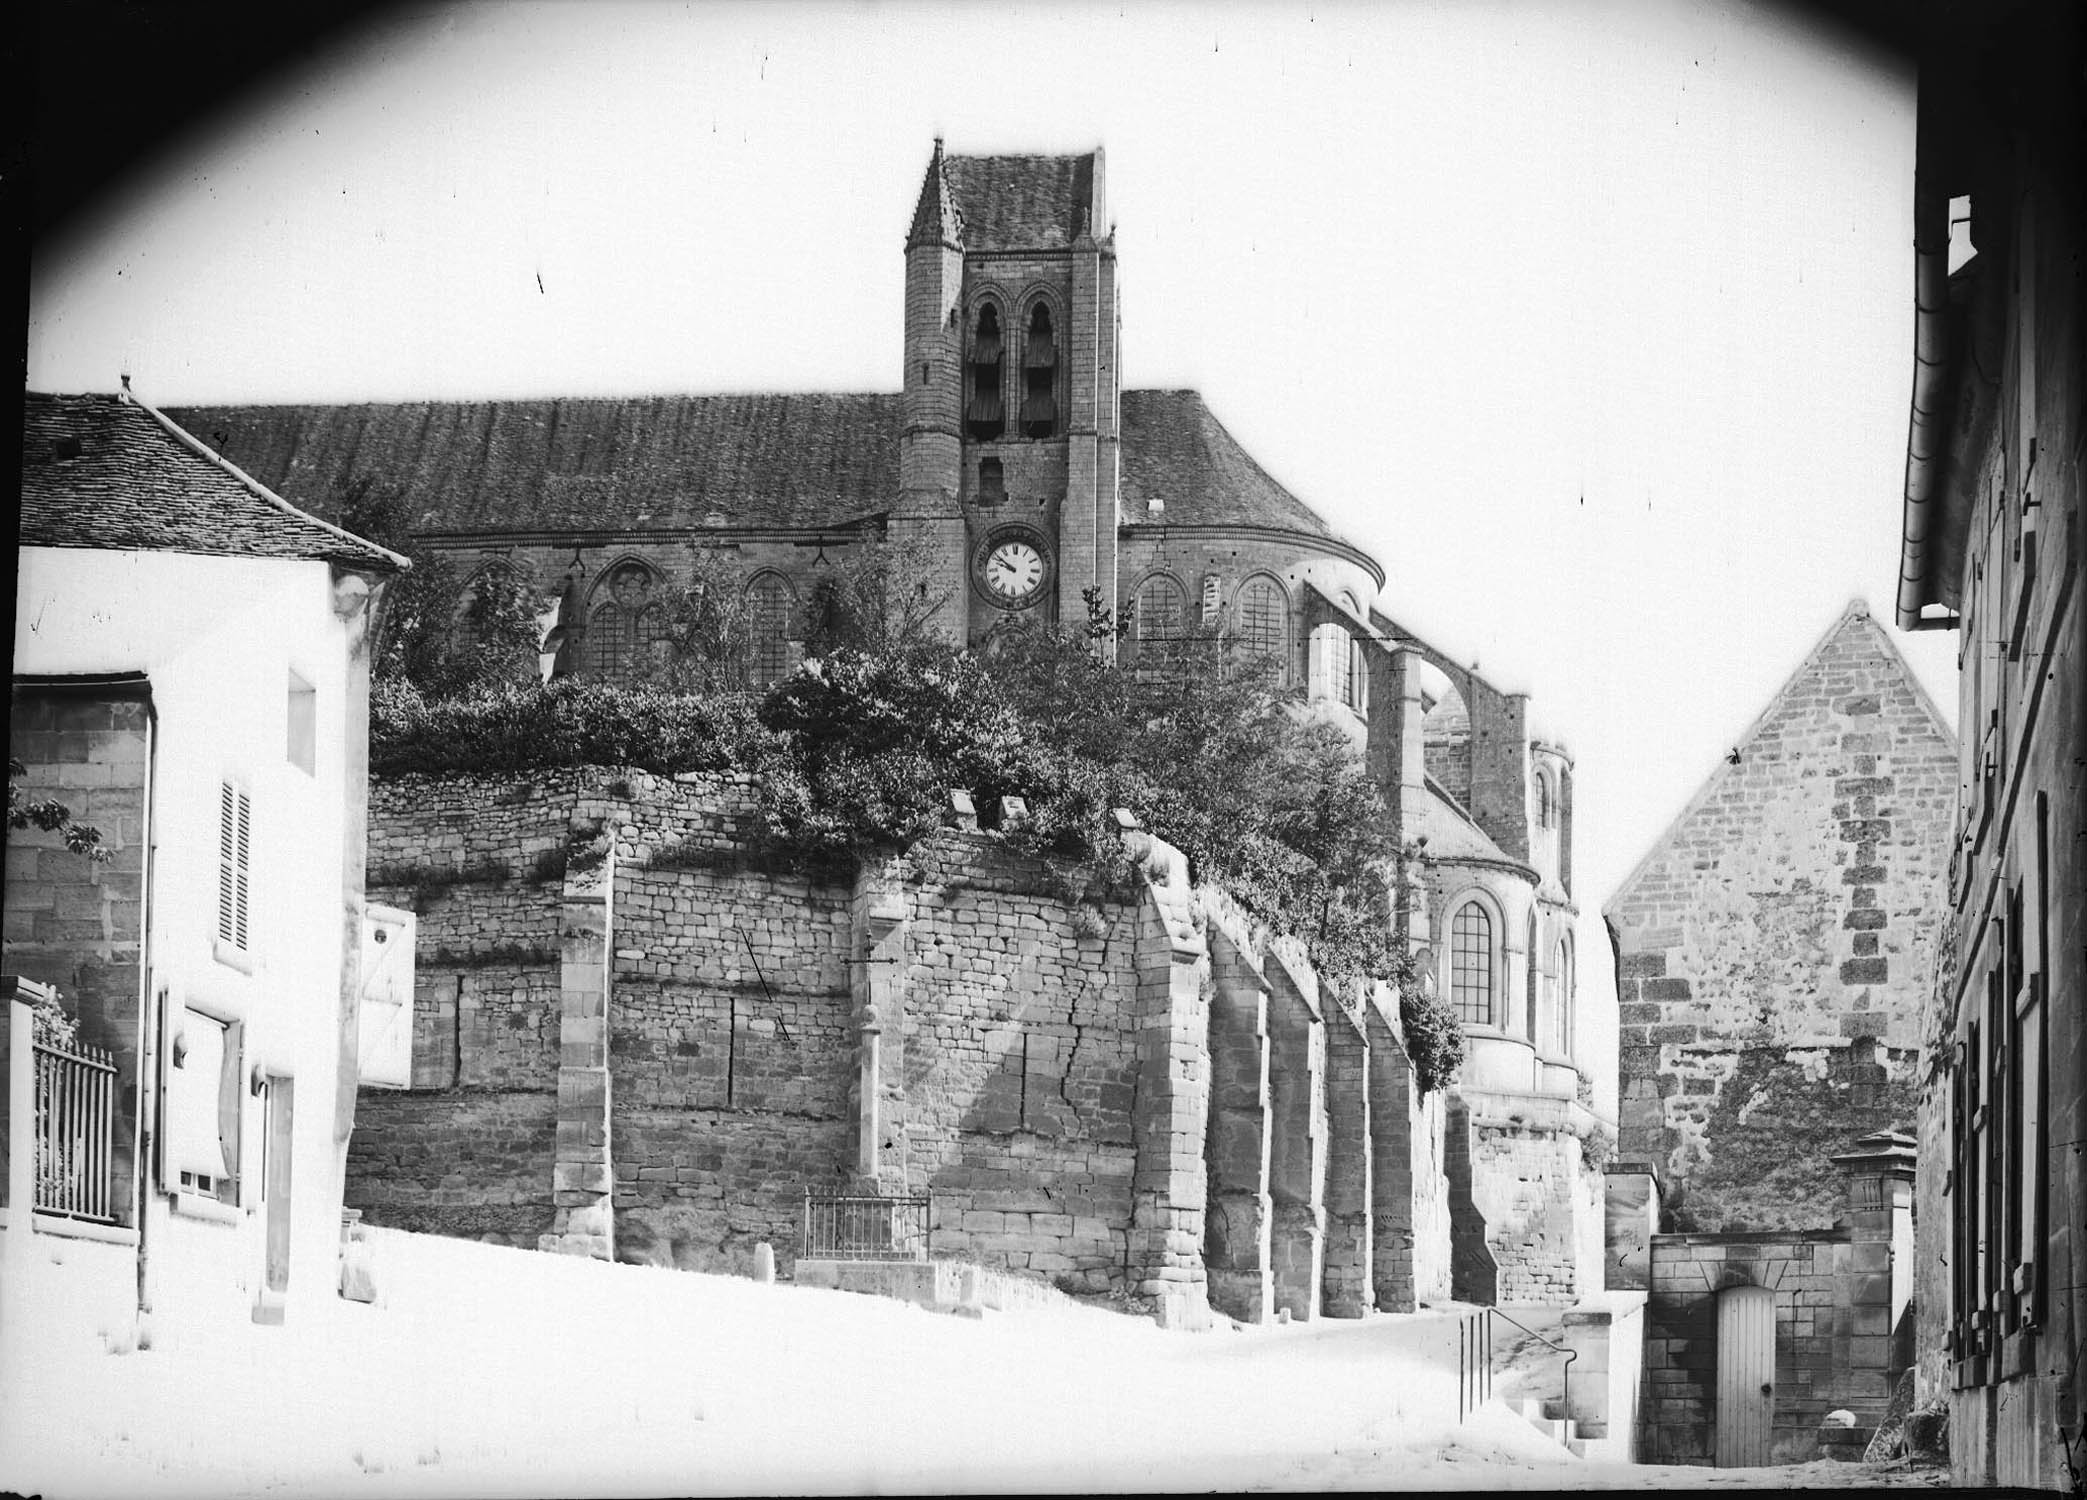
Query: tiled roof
[108,472]
[666,463]
[674,463]
[1176,452]
[1023,202]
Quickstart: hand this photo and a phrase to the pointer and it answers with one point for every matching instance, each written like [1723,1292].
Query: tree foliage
[443,631]
[856,752]
[50,815]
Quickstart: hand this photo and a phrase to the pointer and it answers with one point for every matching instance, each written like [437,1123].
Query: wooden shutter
[234,864]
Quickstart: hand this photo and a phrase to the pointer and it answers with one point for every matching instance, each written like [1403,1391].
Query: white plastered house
[191,679]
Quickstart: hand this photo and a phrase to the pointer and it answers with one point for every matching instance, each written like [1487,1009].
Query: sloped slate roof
[1022,202]
[106,471]
[1450,832]
[664,463]
[1176,451]
[672,463]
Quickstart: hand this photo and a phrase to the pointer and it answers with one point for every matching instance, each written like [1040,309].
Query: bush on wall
[855,752]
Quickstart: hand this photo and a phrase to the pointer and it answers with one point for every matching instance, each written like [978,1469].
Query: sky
[1591,321]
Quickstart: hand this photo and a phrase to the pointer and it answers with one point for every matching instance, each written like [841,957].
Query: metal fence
[75,1132]
[1474,1362]
[847,1226]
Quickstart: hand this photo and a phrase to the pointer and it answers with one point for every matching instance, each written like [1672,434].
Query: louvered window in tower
[1040,376]
[768,606]
[984,411]
[234,866]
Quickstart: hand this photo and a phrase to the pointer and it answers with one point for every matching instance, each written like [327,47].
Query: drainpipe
[146,1140]
[1925,437]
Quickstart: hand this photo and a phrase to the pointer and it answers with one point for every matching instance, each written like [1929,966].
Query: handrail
[1475,1359]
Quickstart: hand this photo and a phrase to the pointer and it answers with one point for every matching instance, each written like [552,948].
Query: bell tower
[928,516]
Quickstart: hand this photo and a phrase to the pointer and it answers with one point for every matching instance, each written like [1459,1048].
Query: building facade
[1991,548]
[190,680]
[1020,483]
[1775,946]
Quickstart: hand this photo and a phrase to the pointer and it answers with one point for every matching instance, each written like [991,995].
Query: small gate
[1745,1375]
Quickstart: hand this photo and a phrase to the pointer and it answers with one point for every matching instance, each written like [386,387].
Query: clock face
[1014,571]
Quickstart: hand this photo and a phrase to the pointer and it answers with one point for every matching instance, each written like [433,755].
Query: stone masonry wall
[1773,949]
[1021,1063]
[74,922]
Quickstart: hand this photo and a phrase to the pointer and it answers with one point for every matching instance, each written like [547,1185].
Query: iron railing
[75,1132]
[852,1226]
[1475,1360]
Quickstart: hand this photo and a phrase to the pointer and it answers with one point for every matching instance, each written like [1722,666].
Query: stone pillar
[1394,1283]
[1474,1275]
[1240,1215]
[1630,1218]
[1350,1289]
[1297,1137]
[878,981]
[1878,1279]
[582,1174]
[1164,1249]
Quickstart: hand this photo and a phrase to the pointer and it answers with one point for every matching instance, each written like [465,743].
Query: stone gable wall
[1773,953]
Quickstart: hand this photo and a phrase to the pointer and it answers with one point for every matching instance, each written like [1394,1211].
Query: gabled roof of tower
[1176,452]
[108,472]
[1021,202]
[1855,631]
[663,463]
[936,218]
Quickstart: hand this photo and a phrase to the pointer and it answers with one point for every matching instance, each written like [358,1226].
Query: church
[1013,466]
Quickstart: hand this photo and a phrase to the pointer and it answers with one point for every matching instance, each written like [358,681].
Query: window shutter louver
[230,1085]
[244,867]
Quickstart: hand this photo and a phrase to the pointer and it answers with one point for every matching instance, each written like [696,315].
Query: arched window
[984,410]
[1529,1016]
[1564,1007]
[1161,619]
[1471,964]
[655,635]
[1039,376]
[1264,618]
[1544,812]
[1337,669]
[605,645]
[770,602]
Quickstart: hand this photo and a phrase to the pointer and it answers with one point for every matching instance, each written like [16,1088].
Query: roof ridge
[253,486]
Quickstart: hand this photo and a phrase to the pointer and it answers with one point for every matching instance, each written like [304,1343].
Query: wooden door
[1745,1375]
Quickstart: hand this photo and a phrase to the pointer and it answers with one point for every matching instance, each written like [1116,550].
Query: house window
[1040,376]
[984,410]
[303,747]
[1263,614]
[769,603]
[235,822]
[1161,620]
[201,1108]
[1565,998]
[1471,964]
